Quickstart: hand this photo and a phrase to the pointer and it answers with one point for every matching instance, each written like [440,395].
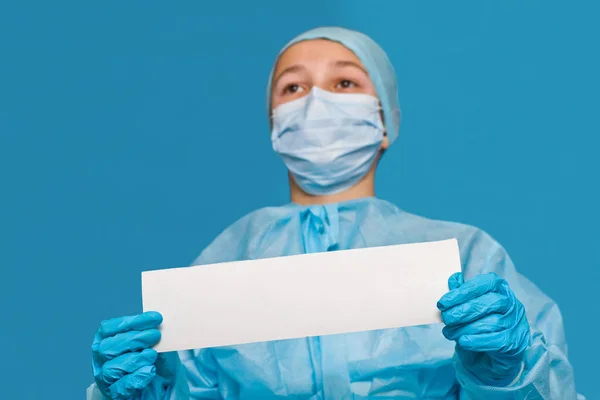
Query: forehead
[316,50]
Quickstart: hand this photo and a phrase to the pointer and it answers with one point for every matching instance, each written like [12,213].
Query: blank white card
[300,296]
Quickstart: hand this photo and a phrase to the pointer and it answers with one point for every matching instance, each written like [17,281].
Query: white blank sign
[300,296]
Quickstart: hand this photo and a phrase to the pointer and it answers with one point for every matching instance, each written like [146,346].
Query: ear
[385,144]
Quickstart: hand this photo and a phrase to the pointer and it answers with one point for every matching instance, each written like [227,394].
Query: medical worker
[333,108]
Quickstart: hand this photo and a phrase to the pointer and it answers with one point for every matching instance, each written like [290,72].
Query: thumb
[455,281]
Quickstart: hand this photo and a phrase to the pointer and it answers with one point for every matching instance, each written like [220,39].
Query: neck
[364,188]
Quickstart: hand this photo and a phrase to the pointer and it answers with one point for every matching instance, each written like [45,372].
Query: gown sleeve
[547,373]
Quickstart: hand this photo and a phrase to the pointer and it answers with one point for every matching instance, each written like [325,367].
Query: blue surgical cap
[374,59]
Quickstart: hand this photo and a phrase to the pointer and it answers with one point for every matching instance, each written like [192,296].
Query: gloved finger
[127,342]
[472,310]
[126,387]
[456,280]
[127,363]
[508,341]
[488,324]
[140,322]
[470,290]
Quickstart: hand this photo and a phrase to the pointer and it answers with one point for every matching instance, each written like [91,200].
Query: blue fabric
[415,362]
[374,59]
[489,325]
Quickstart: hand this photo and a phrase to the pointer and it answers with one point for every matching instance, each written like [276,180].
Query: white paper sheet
[300,296]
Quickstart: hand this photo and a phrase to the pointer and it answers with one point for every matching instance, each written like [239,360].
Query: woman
[332,98]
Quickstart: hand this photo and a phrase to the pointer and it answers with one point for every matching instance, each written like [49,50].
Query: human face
[322,63]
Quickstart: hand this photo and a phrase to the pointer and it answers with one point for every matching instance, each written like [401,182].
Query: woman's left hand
[489,326]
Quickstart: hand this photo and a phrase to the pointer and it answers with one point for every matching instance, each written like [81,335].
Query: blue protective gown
[415,362]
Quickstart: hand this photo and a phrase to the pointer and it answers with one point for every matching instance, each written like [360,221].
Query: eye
[346,84]
[292,89]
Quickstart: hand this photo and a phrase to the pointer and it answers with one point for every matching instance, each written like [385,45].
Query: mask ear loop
[382,119]
[382,152]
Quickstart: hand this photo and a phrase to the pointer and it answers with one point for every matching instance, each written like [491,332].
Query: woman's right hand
[122,357]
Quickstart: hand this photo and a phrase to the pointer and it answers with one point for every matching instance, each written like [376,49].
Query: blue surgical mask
[327,140]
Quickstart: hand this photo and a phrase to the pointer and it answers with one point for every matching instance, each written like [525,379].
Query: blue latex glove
[122,358]
[489,326]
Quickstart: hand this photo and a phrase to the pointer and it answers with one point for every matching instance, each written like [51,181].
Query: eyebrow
[348,63]
[299,68]
[288,70]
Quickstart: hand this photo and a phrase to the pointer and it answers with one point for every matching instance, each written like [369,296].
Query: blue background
[132,133]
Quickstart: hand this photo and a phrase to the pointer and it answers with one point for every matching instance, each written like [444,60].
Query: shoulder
[479,251]
[232,242]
